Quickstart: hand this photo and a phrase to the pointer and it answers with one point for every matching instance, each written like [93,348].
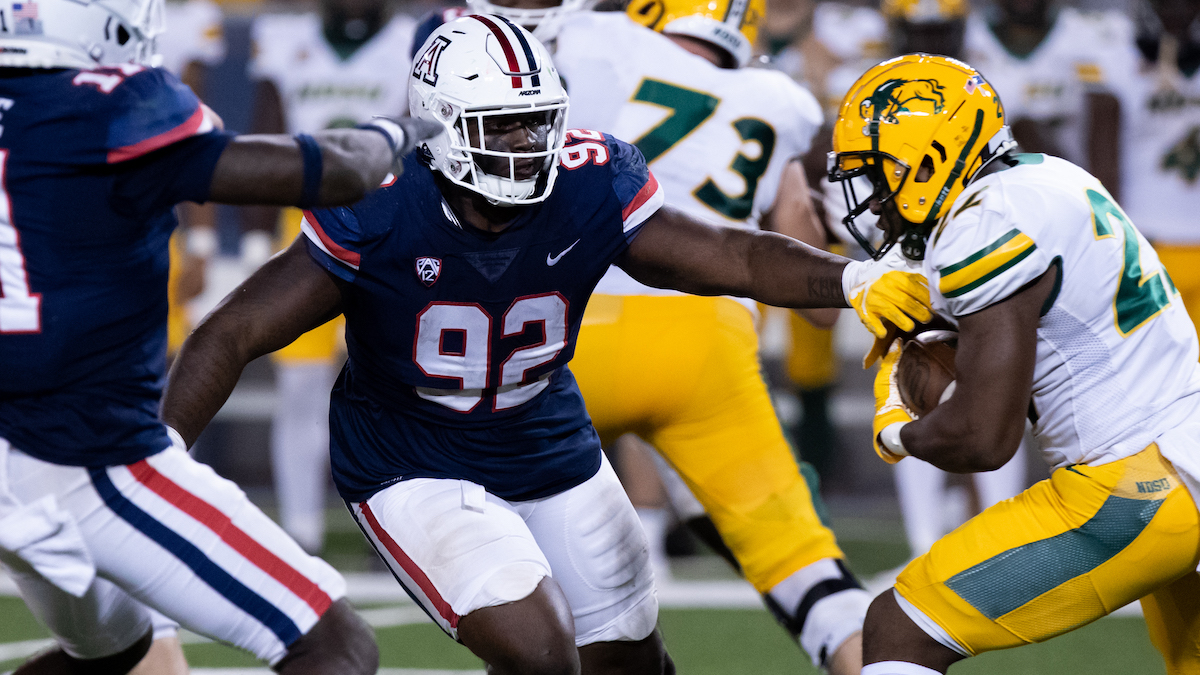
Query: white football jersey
[716,139]
[1049,85]
[318,89]
[193,33]
[1160,154]
[1116,352]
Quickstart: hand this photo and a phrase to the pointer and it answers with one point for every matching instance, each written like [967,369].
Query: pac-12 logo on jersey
[426,66]
[428,270]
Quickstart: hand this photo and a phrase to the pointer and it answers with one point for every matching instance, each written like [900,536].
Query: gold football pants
[682,372]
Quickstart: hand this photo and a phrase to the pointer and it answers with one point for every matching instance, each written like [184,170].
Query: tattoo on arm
[824,288]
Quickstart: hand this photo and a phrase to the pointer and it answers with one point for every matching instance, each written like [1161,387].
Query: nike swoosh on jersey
[552,260]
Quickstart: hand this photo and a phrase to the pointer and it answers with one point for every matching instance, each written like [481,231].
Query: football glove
[886,299]
[403,134]
[890,412]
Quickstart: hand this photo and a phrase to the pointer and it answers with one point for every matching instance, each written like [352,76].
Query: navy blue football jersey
[91,164]
[458,340]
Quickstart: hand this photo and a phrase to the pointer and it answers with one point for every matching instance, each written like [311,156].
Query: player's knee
[340,642]
[822,605]
[58,662]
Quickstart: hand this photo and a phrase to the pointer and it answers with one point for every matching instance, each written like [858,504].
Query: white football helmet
[481,67]
[543,22]
[80,33]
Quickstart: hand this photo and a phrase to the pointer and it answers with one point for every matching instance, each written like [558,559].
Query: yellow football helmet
[925,11]
[731,25]
[918,128]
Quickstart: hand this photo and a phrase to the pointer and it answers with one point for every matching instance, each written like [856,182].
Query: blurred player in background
[1160,148]
[682,371]
[105,516]
[326,70]
[1064,315]
[1055,66]
[193,42]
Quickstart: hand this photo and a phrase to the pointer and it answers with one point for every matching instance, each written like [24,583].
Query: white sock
[300,449]
[1003,483]
[921,488]
[897,668]
[654,522]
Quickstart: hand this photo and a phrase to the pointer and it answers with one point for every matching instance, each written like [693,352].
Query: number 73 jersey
[1116,351]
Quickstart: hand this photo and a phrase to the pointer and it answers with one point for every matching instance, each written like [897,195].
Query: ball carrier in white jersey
[458,435]
[1064,315]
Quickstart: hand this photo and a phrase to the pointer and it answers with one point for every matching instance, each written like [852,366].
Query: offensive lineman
[1064,314]
[682,371]
[459,436]
[103,513]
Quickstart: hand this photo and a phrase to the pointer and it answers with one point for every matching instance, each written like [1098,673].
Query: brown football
[926,368]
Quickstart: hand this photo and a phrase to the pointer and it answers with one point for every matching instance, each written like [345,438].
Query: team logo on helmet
[904,97]
[426,67]
[428,270]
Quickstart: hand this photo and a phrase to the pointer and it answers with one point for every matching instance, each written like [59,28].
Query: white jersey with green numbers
[319,89]
[1160,153]
[1084,51]
[1116,352]
[716,139]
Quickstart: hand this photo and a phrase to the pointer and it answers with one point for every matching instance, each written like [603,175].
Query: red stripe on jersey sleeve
[640,198]
[190,127]
[345,255]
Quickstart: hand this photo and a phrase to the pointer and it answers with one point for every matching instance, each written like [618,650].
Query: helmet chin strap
[999,144]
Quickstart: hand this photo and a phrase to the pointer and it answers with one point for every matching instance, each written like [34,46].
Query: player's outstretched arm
[288,296]
[330,168]
[676,251]
[980,426]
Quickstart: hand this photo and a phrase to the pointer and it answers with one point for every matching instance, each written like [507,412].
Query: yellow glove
[890,412]
[897,297]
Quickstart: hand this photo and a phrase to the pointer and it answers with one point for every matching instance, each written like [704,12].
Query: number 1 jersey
[91,164]
[458,339]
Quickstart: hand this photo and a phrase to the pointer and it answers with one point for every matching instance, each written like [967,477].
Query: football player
[1053,64]
[459,436]
[104,515]
[681,371]
[1160,140]
[1065,316]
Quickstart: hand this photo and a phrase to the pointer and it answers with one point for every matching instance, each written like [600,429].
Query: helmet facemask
[508,176]
[885,175]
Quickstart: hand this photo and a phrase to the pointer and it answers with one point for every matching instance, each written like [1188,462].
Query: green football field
[702,640]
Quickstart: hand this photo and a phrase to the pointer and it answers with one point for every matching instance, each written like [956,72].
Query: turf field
[709,621]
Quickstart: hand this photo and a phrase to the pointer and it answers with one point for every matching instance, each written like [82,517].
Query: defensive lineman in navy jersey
[103,516]
[460,439]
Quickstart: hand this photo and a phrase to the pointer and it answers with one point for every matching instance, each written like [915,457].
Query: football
[926,368]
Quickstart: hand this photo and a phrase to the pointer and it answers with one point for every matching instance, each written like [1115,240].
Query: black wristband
[313,168]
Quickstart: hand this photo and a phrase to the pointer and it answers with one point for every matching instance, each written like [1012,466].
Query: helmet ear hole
[122,35]
[925,171]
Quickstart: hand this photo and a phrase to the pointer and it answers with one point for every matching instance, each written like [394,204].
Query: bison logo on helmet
[904,97]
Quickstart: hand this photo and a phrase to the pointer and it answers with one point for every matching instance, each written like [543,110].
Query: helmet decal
[425,68]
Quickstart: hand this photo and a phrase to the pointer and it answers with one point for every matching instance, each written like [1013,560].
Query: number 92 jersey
[1116,352]
[458,339]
